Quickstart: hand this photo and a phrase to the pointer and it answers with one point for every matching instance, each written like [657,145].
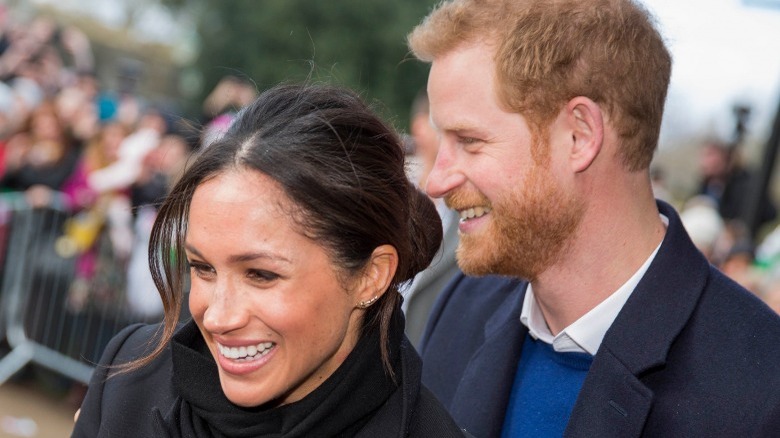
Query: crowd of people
[105,156]
[715,218]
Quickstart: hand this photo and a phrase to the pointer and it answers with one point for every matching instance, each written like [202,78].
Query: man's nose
[445,174]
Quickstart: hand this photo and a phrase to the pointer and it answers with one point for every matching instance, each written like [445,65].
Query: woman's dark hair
[343,169]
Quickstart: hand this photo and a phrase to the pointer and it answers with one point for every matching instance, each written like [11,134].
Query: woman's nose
[224,312]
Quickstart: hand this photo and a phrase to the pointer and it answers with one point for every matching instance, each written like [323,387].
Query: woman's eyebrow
[244,257]
[249,256]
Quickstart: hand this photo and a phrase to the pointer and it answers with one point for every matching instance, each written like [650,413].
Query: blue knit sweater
[544,391]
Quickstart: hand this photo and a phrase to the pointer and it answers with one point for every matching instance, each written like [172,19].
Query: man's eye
[468,140]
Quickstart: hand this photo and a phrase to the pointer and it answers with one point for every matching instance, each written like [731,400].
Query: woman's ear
[586,123]
[377,276]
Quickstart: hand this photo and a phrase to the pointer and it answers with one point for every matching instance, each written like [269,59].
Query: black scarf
[339,407]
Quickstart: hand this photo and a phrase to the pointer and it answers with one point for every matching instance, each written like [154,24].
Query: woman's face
[267,299]
[113,135]
[46,126]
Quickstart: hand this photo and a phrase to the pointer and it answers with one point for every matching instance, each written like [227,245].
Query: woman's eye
[202,270]
[261,275]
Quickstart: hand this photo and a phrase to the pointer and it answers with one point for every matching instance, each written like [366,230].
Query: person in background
[161,168]
[221,105]
[297,227]
[90,209]
[126,170]
[729,183]
[605,320]
[44,157]
[421,294]
[704,225]
[739,264]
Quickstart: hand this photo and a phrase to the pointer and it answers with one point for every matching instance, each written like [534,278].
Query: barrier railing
[44,318]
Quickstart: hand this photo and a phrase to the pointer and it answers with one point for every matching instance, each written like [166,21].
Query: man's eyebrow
[468,131]
[460,127]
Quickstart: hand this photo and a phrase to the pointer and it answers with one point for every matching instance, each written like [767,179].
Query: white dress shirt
[585,334]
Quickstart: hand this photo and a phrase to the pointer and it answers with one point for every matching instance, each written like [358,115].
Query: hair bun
[425,231]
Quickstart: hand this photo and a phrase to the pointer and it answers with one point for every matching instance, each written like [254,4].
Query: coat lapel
[490,372]
[613,401]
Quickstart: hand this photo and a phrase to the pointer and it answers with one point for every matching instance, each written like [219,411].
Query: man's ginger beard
[527,229]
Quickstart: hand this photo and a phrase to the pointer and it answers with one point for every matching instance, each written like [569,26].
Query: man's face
[516,215]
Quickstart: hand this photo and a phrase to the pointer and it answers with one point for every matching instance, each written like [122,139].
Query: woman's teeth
[249,352]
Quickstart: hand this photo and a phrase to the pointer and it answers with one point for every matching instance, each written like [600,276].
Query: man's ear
[586,123]
[377,275]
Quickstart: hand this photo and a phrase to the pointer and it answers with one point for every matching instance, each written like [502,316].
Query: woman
[298,226]
[46,157]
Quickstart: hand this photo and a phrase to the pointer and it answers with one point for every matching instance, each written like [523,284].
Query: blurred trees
[357,43]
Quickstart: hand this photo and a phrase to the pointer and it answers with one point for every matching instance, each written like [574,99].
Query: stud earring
[365,304]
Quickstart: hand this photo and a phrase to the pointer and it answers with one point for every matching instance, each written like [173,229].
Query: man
[548,113]
[428,284]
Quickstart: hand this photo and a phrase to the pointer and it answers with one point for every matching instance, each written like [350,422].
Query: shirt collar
[585,334]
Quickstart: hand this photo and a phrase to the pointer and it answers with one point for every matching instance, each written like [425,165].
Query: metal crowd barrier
[43,320]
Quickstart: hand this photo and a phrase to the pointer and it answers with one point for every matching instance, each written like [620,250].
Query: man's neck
[609,247]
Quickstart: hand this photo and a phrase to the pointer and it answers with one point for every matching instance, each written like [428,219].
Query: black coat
[690,354]
[128,405]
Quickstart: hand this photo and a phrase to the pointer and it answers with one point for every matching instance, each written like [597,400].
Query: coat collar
[613,400]
[491,367]
[401,404]
[664,298]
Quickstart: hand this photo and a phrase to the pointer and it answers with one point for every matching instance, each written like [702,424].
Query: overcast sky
[724,53]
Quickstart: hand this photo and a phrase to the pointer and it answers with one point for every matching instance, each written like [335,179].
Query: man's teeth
[251,351]
[472,213]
